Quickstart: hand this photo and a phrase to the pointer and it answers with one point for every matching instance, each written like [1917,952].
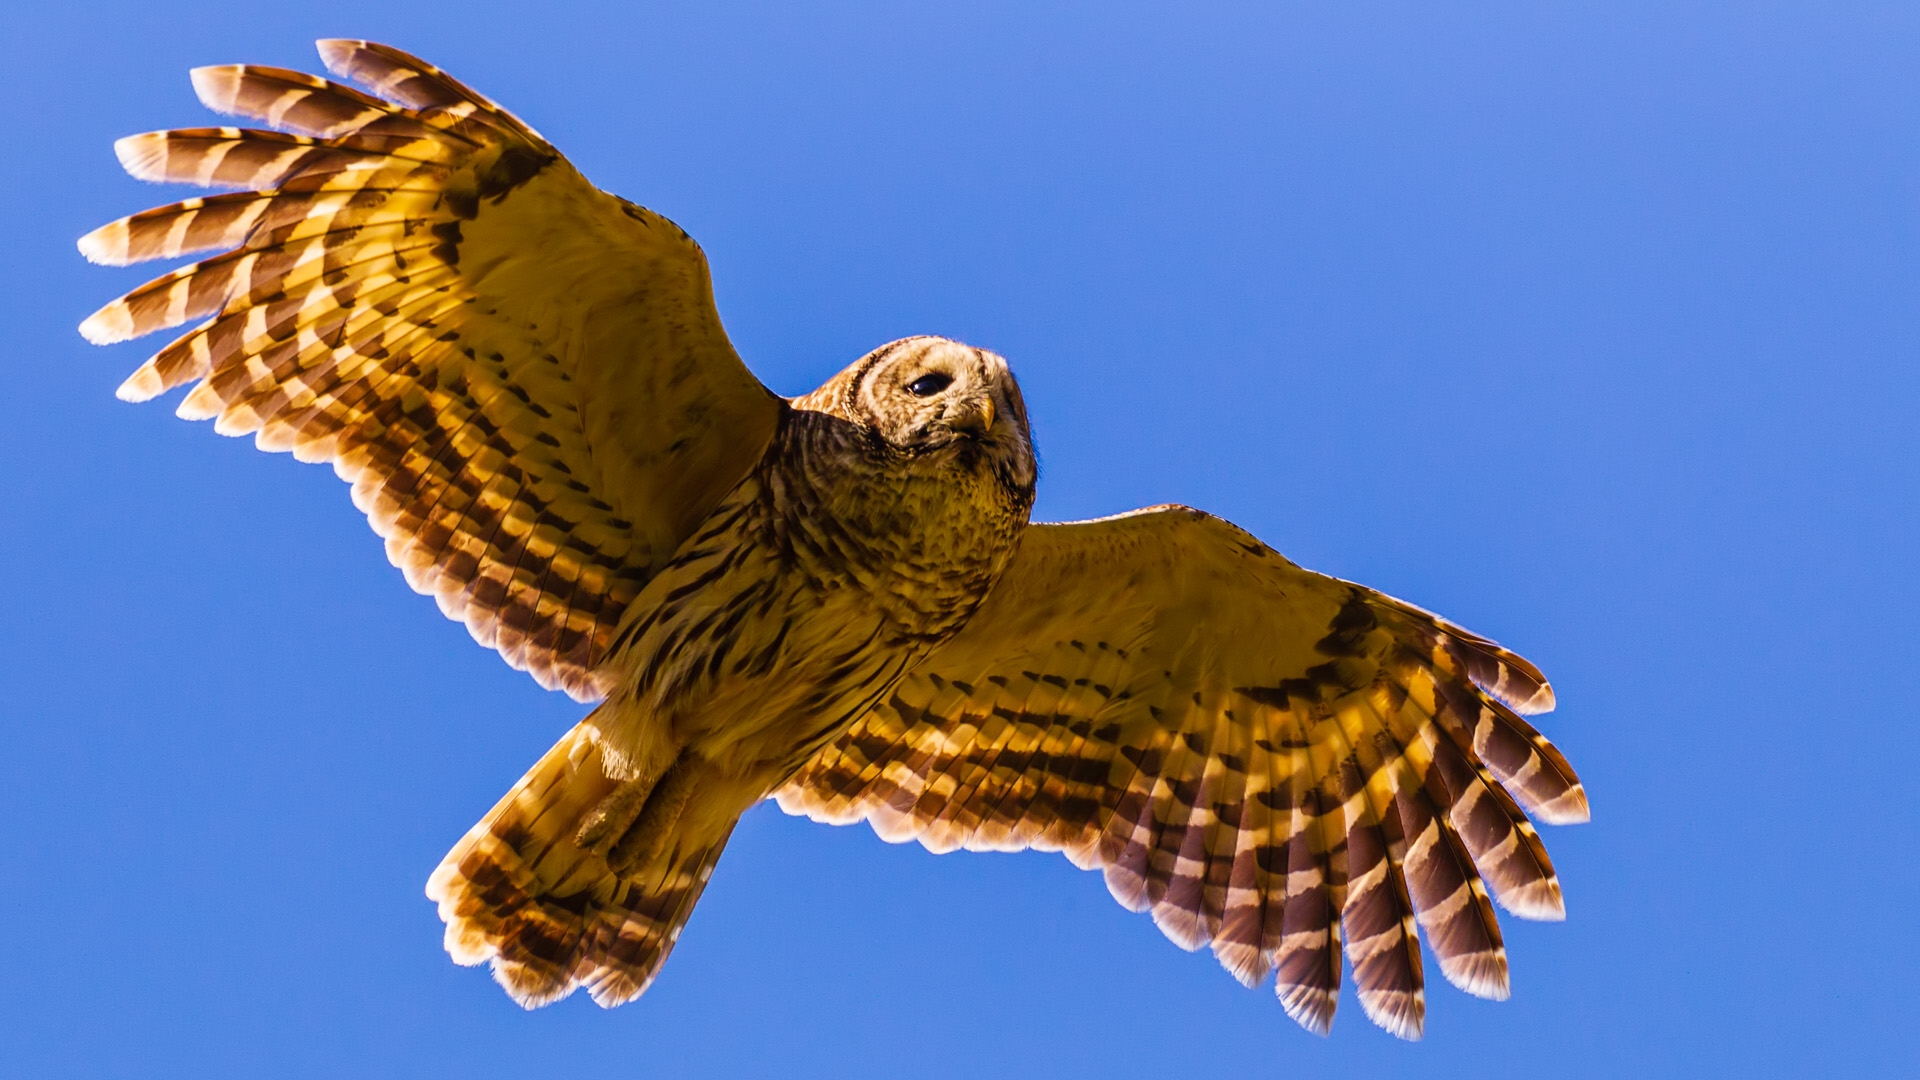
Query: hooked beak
[975,417]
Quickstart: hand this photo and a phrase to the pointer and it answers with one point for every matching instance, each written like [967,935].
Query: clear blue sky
[1592,326]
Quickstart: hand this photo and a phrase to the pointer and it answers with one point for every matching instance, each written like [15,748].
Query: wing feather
[523,378]
[293,100]
[1288,767]
[1307,963]
[418,85]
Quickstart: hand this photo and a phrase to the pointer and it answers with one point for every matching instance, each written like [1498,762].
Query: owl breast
[803,599]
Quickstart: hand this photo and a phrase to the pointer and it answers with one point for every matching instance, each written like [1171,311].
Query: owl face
[930,395]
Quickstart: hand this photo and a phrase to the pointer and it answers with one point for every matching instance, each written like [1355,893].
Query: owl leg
[654,822]
[611,816]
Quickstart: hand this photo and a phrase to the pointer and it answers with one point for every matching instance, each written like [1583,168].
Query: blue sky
[1591,326]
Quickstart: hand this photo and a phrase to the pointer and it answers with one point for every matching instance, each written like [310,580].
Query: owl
[835,601]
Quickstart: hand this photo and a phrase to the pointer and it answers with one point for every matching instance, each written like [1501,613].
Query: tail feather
[550,915]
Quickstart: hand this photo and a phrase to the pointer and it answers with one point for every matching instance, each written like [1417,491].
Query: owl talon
[653,823]
[611,817]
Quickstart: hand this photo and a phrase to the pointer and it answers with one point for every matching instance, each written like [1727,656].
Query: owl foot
[653,824]
[613,815]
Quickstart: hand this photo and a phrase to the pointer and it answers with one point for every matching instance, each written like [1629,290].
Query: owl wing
[1259,755]
[523,377]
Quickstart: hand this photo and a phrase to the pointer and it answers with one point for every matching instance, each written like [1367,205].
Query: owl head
[930,396]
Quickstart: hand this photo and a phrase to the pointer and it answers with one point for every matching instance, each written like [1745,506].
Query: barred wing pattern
[523,377]
[1275,762]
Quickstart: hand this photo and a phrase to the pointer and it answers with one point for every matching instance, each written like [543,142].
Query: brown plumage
[835,600]
[1278,764]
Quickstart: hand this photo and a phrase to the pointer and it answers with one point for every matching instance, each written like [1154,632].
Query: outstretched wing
[523,377]
[1259,755]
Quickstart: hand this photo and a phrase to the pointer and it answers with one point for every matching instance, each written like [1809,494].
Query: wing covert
[1285,766]
[524,378]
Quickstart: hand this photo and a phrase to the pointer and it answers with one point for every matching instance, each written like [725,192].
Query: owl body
[828,573]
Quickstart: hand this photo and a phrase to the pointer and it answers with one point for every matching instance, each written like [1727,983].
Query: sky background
[1591,326]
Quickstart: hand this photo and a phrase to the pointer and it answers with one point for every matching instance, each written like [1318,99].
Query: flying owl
[836,601]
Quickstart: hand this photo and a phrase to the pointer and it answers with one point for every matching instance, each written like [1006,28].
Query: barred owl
[836,601]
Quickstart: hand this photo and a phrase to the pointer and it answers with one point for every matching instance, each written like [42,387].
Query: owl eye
[929,385]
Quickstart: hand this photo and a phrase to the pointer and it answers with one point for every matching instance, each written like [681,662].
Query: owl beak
[975,418]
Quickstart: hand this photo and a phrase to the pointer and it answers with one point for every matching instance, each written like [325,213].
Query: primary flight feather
[836,601]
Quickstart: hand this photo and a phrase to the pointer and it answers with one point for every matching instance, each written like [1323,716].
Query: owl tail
[551,915]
